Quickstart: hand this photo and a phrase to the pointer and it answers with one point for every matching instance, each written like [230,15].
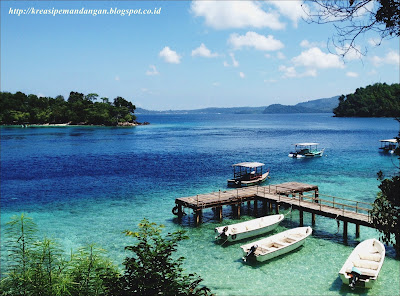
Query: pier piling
[290,194]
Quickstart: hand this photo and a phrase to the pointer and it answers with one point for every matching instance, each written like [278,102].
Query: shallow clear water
[88,184]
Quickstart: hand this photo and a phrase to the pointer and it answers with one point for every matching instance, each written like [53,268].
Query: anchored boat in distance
[248,174]
[388,146]
[306,150]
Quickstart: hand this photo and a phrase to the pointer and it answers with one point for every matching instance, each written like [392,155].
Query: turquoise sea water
[88,184]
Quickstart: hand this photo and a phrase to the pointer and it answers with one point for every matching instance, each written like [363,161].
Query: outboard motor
[223,233]
[250,252]
[355,276]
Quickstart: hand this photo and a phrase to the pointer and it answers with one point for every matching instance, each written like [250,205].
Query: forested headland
[377,100]
[78,109]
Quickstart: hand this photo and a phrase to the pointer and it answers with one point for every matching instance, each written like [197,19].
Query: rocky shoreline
[121,124]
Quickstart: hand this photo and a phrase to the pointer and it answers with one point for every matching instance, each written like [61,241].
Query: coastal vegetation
[386,207]
[40,266]
[81,109]
[378,100]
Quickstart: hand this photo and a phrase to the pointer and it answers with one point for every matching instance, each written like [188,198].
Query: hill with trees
[325,105]
[81,109]
[378,100]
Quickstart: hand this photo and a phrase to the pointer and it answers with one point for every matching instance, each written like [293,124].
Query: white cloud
[280,56]
[307,44]
[291,9]
[241,74]
[216,84]
[235,14]
[315,58]
[374,41]
[203,51]
[391,58]
[290,72]
[352,53]
[252,39]
[153,71]
[235,63]
[170,56]
[352,74]
[116,78]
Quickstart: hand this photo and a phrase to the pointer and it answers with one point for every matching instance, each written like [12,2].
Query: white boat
[302,150]
[248,174]
[249,228]
[277,244]
[388,145]
[363,265]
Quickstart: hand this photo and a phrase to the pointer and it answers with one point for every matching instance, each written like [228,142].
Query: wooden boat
[249,228]
[306,150]
[362,267]
[277,244]
[388,146]
[248,174]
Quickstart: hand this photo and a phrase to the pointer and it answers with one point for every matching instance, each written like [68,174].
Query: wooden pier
[300,196]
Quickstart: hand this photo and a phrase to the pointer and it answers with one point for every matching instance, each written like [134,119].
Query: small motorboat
[306,150]
[388,146]
[249,228]
[362,267]
[277,244]
[248,174]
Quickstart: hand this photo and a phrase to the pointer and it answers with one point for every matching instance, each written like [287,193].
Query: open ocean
[88,184]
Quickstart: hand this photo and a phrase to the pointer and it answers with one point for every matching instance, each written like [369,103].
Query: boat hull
[307,155]
[269,245]
[367,259]
[238,231]
[257,181]
[280,252]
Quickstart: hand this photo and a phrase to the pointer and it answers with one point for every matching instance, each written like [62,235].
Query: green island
[78,109]
[378,100]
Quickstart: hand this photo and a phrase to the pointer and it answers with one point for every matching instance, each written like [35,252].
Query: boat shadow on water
[338,287]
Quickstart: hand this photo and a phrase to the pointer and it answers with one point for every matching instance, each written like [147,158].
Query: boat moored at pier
[277,244]
[363,265]
[248,174]
[249,228]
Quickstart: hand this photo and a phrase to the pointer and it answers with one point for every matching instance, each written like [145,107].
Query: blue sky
[191,55]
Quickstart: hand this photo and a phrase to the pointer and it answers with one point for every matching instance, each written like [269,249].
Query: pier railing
[323,200]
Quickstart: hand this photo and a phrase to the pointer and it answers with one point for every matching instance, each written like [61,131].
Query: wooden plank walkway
[232,196]
[300,196]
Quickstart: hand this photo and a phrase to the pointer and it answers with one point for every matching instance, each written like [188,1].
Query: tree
[19,108]
[92,273]
[92,97]
[38,267]
[152,270]
[21,233]
[386,208]
[378,100]
[356,17]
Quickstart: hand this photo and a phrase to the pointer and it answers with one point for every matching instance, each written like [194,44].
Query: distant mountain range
[325,105]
